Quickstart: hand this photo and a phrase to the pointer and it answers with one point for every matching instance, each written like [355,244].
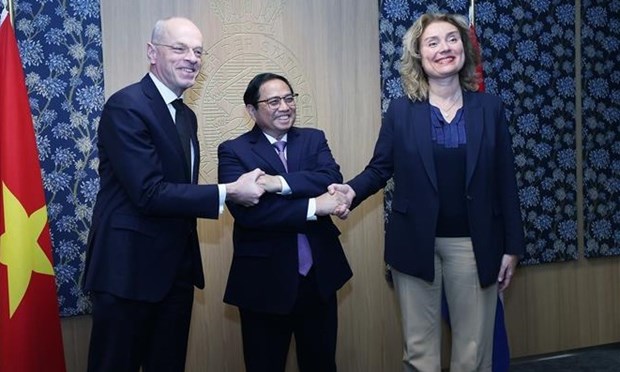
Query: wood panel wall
[330,50]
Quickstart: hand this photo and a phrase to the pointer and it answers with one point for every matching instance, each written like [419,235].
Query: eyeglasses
[181,49]
[274,102]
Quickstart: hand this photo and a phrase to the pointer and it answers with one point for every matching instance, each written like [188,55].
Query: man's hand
[245,190]
[507,271]
[270,183]
[328,203]
[342,210]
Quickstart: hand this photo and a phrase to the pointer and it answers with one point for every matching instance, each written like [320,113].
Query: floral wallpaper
[600,57]
[528,59]
[60,46]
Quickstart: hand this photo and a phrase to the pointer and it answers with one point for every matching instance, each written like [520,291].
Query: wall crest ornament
[249,45]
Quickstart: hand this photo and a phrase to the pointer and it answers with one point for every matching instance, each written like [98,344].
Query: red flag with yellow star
[30,335]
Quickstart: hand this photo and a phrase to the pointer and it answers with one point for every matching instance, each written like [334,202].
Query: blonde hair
[413,77]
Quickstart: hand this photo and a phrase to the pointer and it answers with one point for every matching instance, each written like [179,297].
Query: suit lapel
[160,110]
[474,125]
[293,149]
[263,149]
[420,120]
[196,157]
[193,136]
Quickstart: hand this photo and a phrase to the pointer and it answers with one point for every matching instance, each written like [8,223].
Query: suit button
[468,197]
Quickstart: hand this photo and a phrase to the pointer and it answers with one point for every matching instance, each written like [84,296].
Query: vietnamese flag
[30,334]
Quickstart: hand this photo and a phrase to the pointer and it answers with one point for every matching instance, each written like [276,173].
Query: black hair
[252,92]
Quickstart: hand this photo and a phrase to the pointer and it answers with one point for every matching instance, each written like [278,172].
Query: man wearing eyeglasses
[288,262]
[143,258]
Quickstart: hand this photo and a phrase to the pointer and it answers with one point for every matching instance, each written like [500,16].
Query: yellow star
[19,249]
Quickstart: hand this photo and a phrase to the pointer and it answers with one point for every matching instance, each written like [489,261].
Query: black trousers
[128,334]
[313,322]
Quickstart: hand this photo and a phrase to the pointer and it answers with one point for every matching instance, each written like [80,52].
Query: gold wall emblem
[249,45]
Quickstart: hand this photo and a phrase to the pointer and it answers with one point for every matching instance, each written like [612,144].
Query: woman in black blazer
[455,218]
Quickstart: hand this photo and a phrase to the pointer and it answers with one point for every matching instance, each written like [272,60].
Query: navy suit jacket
[263,274]
[404,150]
[144,219]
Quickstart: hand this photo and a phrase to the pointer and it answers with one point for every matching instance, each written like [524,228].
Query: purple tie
[303,246]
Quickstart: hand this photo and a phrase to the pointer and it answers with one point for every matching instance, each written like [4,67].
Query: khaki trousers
[472,312]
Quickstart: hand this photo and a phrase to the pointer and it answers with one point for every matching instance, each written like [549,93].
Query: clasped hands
[335,201]
[250,186]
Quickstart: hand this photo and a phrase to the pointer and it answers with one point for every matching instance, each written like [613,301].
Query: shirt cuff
[310,216]
[222,192]
[286,189]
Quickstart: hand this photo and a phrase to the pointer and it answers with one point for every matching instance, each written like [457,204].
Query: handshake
[250,186]
[336,201]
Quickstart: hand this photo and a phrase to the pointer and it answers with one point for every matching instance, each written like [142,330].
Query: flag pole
[8,7]
[471,12]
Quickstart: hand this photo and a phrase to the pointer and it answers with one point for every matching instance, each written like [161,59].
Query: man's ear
[251,111]
[151,53]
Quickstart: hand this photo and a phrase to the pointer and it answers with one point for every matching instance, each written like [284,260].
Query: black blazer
[144,218]
[263,275]
[404,151]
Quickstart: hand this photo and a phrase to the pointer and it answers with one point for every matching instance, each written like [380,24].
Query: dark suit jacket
[263,275]
[404,150]
[144,218]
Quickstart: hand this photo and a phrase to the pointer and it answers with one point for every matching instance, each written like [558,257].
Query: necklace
[446,112]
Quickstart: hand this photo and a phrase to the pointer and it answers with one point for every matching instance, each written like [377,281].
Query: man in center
[288,262]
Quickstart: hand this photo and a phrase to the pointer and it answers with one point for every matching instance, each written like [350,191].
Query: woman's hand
[507,271]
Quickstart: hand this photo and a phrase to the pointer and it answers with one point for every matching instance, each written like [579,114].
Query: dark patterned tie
[183,128]
[303,245]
